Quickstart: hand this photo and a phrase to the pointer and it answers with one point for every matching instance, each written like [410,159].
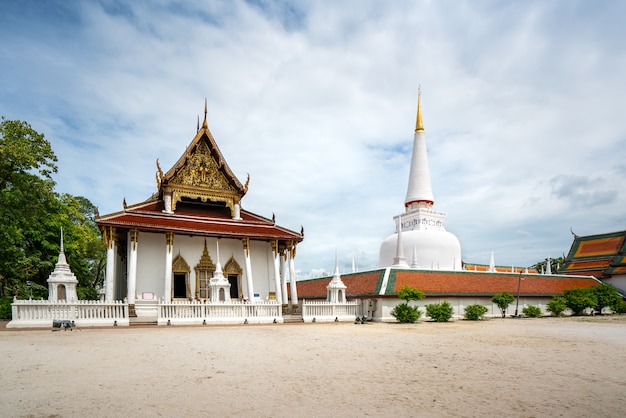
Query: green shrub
[532,311]
[440,312]
[503,300]
[557,305]
[607,296]
[406,313]
[475,312]
[578,299]
[621,307]
[5,308]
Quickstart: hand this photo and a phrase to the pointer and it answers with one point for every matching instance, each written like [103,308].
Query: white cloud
[317,102]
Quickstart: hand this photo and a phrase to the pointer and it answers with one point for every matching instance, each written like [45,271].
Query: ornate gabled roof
[600,255]
[202,173]
[197,196]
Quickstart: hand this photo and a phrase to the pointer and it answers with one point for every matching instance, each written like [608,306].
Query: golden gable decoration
[202,173]
[232,267]
[179,265]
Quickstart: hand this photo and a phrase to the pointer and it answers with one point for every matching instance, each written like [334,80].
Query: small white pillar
[237,212]
[292,276]
[283,278]
[277,284]
[132,266]
[169,246]
[246,253]
[167,202]
[109,284]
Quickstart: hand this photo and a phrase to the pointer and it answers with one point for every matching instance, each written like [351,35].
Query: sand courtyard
[499,367]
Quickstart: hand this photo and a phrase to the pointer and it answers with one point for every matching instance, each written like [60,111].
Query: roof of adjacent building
[445,283]
[600,255]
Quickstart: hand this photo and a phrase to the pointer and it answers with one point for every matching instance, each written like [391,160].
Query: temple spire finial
[204,123]
[62,240]
[419,125]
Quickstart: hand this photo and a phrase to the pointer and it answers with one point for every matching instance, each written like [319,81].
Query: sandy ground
[571,367]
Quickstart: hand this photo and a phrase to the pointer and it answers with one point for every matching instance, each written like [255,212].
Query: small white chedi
[62,282]
[420,230]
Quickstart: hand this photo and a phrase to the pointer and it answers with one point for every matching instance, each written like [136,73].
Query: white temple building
[420,230]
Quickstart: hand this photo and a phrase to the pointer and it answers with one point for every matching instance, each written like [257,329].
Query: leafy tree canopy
[409,293]
[32,214]
[502,301]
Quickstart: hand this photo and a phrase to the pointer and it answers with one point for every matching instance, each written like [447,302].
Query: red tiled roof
[486,283]
[357,284]
[461,283]
[197,220]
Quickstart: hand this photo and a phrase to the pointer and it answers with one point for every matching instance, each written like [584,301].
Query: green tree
[502,301]
[607,296]
[26,198]
[557,305]
[32,214]
[404,312]
[440,312]
[578,299]
[475,312]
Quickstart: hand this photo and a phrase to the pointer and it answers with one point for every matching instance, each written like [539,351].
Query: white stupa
[420,230]
[62,282]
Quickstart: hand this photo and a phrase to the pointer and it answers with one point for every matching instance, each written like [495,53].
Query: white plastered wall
[384,306]
[151,261]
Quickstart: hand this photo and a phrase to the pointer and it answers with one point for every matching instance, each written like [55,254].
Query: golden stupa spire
[419,125]
[204,124]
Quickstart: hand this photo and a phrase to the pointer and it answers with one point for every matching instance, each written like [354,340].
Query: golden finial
[204,124]
[419,125]
[198,125]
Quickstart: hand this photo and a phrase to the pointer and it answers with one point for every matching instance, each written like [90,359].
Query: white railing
[200,312]
[41,313]
[323,311]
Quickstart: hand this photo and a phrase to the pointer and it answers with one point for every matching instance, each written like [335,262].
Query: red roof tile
[197,220]
[461,283]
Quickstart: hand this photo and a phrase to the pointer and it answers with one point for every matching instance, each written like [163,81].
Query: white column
[292,276]
[283,272]
[169,244]
[279,297]
[246,253]
[132,266]
[109,281]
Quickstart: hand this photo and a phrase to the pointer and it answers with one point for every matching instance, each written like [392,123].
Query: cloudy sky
[522,101]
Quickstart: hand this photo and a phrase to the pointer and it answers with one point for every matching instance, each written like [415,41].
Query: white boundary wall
[84,313]
[236,312]
[384,306]
[323,311]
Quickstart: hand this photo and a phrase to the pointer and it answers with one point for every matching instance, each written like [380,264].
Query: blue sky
[522,105]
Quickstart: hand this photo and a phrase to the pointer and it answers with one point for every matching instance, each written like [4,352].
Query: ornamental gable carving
[203,171]
[179,265]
